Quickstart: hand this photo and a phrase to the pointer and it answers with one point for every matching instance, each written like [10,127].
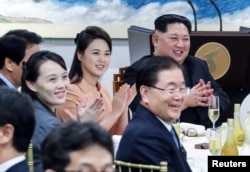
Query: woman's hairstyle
[82,40]
[31,69]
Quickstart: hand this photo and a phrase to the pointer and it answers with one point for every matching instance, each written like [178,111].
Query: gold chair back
[162,167]
[29,157]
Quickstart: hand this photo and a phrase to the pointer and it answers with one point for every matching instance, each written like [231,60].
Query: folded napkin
[192,130]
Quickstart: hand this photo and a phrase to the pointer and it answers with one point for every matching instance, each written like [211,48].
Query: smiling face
[175,42]
[95,59]
[165,105]
[51,85]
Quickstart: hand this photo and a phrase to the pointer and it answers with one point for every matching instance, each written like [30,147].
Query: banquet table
[196,157]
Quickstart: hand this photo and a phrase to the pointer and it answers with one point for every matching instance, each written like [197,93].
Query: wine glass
[215,142]
[214,109]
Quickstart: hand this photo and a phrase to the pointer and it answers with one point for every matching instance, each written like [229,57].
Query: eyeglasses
[172,91]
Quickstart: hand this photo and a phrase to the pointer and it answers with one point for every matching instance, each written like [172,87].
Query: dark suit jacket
[2,83]
[19,167]
[146,140]
[194,69]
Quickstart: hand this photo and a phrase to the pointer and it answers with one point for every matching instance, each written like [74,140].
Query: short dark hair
[72,136]
[13,47]
[17,110]
[162,21]
[31,68]
[147,74]
[82,40]
[31,37]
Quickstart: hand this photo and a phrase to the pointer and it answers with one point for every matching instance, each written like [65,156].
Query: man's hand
[199,95]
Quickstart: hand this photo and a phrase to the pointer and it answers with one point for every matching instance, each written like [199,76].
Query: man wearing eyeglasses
[172,38]
[150,138]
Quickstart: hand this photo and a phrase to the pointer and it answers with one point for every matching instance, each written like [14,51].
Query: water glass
[215,141]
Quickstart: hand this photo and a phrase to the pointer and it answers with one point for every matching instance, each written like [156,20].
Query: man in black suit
[149,137]
[16,46]
[172,38]
[12,53]
[17,124]
[32,38]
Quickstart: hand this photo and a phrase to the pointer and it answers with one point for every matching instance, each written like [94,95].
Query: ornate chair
[29,157]
[121,165]
[118,79]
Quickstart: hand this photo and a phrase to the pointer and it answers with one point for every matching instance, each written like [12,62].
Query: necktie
[174,137]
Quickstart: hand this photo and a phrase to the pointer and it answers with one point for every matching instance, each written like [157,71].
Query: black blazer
[146,140]
[194,69]
[19,167]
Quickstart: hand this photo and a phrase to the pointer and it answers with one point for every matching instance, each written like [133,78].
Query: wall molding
[116,31]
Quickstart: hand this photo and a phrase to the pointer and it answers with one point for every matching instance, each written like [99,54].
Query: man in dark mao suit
[172,38]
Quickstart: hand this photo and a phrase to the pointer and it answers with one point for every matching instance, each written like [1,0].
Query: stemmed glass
[214,109]
[215,142]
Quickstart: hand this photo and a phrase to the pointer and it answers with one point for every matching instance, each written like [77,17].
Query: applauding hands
[88,109]
[199,95]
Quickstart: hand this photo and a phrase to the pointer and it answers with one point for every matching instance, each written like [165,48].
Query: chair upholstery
[29,157]
[120,165]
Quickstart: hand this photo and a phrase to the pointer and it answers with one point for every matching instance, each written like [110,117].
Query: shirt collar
[167,125]
[6,165]
[8,83]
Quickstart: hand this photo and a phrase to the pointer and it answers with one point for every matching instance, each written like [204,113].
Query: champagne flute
[215,142]
[214,109]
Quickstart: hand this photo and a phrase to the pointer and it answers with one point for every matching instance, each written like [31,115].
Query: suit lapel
[20,167]
[2,82]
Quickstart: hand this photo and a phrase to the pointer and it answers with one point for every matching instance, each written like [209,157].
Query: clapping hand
[199,95]
[131,94]
[89,108]
[120,99]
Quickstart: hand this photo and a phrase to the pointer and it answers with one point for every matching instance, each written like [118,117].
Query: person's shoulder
[74,88]
[141,60]
[194,60]
[20,167]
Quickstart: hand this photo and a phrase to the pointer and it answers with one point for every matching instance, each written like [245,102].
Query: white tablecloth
[197,158]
